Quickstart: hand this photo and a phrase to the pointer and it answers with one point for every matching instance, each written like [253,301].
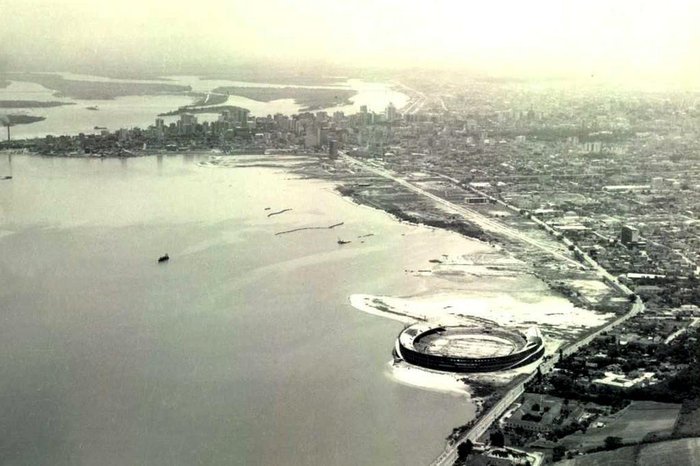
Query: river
[242,349]
[141,111]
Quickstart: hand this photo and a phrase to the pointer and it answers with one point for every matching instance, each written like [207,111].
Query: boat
[93,107]
[164,258]
[340,241]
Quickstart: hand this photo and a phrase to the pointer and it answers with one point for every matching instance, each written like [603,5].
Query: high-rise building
[322,136]
[629,235]
[187,124]
[390,113]
[311,138]
[188,119]
[595,147]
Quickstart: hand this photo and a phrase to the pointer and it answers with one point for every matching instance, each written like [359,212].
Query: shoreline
[485,404]
[306,98]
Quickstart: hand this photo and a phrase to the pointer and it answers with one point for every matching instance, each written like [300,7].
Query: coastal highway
[417,102]
[449,455]
[468,214]
[610,279]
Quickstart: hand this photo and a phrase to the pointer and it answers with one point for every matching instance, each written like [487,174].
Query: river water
[242,349]
[141,111]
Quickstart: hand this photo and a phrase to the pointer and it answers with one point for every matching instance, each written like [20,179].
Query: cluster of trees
[457,225]
[573,382]
[676,291]
[610,443]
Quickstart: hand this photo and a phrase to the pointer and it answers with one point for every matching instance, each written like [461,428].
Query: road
[449,455]
[468,214]
[417,102]
[675,334]
[442,103]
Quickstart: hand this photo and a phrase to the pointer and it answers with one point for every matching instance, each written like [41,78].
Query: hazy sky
[626,38]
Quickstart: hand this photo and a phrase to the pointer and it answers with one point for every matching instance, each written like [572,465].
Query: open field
[685,452]
[625,456]
[689,420]
[672,453]
[466,345]
[632,424]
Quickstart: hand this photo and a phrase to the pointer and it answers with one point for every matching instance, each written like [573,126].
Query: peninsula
[603,212]
[95,90]
[310,98]
[31,104]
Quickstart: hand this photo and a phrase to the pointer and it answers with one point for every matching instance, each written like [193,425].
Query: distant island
[4,83]
[208,99]
[23,119]
[273,76]
[95,90]
[31,104]
[193,110]
[310,98]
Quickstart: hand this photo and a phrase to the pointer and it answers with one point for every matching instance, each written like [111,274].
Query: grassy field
[625,456]
[682,452]
[640,420]
[689,421]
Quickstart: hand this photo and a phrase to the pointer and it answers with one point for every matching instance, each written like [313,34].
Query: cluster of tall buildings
[188,125]
[317,131]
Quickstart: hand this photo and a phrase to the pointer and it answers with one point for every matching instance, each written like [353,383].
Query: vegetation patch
[31,104]
[313,98]
[96,90]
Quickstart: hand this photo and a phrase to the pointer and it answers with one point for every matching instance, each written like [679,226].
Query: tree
[558,452]
[464,449]
[612,443]
[497,439]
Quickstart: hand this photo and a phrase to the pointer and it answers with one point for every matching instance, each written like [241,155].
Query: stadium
[467,348]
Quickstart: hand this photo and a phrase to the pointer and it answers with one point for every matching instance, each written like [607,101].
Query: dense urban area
[596,189]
